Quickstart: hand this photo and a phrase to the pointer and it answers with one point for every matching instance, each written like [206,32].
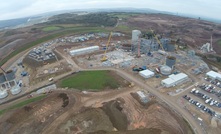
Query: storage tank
[15,90]
[2,78]
[170,61]
[135,36]
[10,75]
[3,94]
[165,70]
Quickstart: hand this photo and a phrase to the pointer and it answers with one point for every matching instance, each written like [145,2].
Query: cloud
[22,8]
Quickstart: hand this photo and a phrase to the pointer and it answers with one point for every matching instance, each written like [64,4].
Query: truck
[207,101]
[51,79]
[193,90]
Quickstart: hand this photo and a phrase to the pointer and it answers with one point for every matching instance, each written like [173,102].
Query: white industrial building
[174,80]
[83,50]
[3,94]
[214,75]
[146,73]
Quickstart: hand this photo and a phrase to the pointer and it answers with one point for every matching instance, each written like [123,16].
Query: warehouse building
[146,73]
[83,50]
[214,75]
[174,80]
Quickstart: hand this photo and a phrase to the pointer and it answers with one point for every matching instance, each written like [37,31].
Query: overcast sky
[10,9]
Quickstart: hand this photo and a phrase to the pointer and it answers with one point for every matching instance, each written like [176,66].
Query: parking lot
[205,97]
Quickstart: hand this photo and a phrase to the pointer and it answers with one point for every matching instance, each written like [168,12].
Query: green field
[124,28]
[94,80]
[21,104]
[51,28]
[123,15]
[75,30]
[219,42]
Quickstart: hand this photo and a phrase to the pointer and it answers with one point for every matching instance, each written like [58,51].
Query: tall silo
[3,94]
[135,41]
[135,36]
[2,78]
[170,61]
[10,75]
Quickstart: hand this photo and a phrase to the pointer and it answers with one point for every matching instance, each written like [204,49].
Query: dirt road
[167,99]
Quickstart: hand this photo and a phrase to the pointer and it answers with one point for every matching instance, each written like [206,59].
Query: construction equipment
[104,58]
[158,41]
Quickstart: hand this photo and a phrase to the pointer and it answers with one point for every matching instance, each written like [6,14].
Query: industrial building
[174,80]
[214,75]
[146,73]
[2,78]
[3,94]
[41,54]
[143,98]
[83,50]
[148,46]
[8,82]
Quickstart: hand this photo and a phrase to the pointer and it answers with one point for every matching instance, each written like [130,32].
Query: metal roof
[168,81]
[146,73]
[214,74]
[92,48]
[174,78]
[178,77]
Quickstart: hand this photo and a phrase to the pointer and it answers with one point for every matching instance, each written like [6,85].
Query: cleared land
[94,80]
[34,117]
[21,104]
[51,28]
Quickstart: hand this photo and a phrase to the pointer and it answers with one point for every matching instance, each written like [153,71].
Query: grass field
[74,30]
[51,28]
[219,42]
[124,28]
[21,104]
[94,80]
[123,15]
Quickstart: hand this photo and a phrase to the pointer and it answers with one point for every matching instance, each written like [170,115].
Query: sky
[10,9]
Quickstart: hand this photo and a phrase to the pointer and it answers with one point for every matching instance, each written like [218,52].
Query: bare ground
[122,115]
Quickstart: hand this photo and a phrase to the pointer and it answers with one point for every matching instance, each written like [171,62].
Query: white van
[51,79]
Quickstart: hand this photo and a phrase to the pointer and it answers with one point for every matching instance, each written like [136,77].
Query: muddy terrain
[35,117]
[72,112]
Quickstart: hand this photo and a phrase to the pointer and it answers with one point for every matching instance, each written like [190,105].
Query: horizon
[27,8]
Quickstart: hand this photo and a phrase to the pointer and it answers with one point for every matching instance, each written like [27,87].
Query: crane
[104,58]
[158,41]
